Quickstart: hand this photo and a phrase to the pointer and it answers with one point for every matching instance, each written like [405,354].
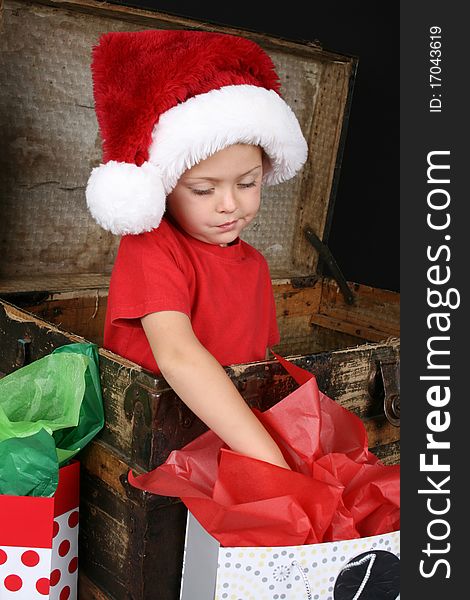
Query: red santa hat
[166,100]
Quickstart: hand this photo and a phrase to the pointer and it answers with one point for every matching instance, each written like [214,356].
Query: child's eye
[247,185]
[201,192]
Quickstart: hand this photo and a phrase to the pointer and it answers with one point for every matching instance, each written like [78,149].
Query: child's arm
[204,386]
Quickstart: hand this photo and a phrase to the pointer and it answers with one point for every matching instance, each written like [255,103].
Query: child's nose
[227,202]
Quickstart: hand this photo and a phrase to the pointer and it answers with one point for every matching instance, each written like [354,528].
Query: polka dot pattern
[30,558]
[43,586]
[24,573]
[55,529]
[43,573]
[73,519]
[280,573]
[55,577]
[64,548]
[65,593]
[13,583]
[73,565]
[65,558]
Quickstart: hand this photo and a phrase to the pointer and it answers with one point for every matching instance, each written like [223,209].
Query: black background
[364,237]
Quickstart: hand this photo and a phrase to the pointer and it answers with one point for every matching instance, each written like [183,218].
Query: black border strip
[433,521]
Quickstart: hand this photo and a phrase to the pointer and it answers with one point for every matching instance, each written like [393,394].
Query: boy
[191,122]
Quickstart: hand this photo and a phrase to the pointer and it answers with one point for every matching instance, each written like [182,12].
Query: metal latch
[384,381]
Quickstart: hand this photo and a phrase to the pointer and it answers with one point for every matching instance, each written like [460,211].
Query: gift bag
[360,569]
[49,410]
[39,542]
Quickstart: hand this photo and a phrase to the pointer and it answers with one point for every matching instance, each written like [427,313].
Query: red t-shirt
[225,291]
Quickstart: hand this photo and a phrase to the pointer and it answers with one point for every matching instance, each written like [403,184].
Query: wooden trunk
[56,262]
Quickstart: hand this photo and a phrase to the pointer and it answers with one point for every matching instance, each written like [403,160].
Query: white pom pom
[124,198]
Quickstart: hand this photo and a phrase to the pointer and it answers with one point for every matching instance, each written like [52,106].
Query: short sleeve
[148,276]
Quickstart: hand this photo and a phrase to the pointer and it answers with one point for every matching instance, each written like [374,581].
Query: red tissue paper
[336,490]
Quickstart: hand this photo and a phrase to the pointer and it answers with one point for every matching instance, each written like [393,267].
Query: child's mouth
[228,226]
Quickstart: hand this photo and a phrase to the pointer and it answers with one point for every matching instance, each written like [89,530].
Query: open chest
[56,262]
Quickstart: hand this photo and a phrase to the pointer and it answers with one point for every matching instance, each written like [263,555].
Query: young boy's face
[217,198]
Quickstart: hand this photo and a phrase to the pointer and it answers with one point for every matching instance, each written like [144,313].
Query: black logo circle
[373,575]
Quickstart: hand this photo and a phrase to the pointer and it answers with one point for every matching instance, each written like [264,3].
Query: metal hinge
[330,261]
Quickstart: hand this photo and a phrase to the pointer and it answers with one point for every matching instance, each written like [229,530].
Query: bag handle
[300,375]
[370,558]
[367,558]
[308,589]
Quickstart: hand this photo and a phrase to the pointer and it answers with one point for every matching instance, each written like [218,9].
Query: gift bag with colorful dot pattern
[366,568]
[39,542]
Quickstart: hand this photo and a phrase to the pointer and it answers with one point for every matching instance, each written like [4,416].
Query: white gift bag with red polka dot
[39,542]
[359,569]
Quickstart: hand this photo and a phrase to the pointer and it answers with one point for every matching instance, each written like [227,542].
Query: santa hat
[166,100]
